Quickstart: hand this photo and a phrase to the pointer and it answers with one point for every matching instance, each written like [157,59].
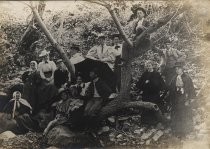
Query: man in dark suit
[97,92]
[61,74]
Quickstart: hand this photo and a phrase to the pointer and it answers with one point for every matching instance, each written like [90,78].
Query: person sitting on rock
[81,88]
[17,106]
[150,86]
[98,92]
[63,110]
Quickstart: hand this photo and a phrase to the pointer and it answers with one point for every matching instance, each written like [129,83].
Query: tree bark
[54,43]
[31,31]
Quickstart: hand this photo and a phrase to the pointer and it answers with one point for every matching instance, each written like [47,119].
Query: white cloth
[96,94]
[46,67]
[107,55]
[22,101]
[117,51]
[179,82]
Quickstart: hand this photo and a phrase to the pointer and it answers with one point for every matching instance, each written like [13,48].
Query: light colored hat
[43,53]
[101,35]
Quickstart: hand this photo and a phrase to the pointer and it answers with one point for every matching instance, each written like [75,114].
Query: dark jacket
[103,89]
[151,83]
[188,86]
[21,110]
[60,77]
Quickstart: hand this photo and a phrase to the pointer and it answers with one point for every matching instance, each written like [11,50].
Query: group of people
[49,89]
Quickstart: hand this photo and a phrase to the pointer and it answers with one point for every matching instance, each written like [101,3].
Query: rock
[104,129]
[139,131]
[6,123]
[111,119]
[7,135]
[52,147]
[119,136]
[160,126]
[148,142]
[62,136]
[148,134]
[157,135]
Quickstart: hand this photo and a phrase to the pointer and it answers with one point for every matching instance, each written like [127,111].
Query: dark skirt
[181,116]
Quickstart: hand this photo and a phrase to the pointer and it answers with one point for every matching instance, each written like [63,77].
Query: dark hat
[115,35]
[136,8]
[95,70]
[179,64]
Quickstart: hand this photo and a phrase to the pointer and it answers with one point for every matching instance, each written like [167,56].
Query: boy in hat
[181,91]
[46,67]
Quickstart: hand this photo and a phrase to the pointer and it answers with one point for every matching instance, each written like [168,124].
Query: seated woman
[181,91]
[20,110]
[64,109]
[150,85]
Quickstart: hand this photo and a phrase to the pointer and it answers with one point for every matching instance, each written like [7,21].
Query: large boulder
[6,123]
[62,136]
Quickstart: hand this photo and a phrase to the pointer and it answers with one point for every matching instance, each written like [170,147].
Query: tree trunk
[54,43]
[32,34]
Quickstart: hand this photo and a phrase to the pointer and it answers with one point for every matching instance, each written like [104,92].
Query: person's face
[179,70]
[116,40]
[92,75]
[32,66]
[17,95]
[59,65]
[149,67]
[79,80]
[46,57]
[140,14]
[101,41]
[64,96]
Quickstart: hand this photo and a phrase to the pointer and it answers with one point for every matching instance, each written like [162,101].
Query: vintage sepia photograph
[105,74]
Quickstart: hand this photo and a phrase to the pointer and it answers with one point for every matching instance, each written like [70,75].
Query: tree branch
[119,27]
[53,42]
[161,22]
[116,21]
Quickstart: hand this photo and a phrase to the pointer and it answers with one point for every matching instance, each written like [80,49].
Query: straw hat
[44,53]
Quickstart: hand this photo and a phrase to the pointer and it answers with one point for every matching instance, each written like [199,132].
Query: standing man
[102,52]
[118,60]
[46,67]
[61,75]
